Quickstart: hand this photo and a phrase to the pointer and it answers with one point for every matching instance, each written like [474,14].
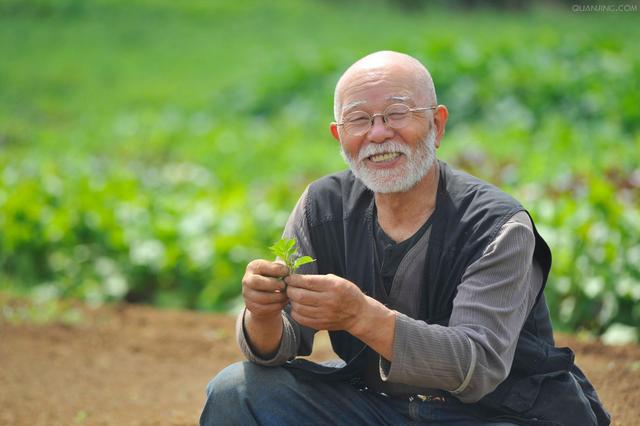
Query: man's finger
[306,297]
[264,297]
[312,322]
[309,282]
[267,268]
[262,309]
[262,283]
[310,312]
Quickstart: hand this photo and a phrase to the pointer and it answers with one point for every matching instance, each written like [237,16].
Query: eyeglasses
[395,116]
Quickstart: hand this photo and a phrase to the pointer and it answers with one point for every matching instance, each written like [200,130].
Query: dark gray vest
[544,382]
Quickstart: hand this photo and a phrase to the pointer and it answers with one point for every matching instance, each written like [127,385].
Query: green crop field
[150,149]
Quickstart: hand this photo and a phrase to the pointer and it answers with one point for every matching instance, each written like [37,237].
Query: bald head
[391,65]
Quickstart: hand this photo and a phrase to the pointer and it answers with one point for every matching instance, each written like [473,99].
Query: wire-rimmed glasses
[396,116]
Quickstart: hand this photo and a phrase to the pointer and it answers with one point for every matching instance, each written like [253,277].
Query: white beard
[398,179]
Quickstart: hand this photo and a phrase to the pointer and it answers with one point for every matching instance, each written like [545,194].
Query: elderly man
[429,281]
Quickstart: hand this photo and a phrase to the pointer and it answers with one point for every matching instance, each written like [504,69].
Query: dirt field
[134,365]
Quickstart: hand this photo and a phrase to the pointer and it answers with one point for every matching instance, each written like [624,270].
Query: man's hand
[328,302]
[264,297]
[325,302]
[263,288]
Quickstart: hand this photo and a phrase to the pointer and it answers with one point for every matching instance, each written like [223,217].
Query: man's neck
[401,214]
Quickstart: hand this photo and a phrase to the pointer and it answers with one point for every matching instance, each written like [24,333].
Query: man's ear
[334,130]
[440,116]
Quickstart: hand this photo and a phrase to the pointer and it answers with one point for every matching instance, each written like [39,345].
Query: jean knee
[240,388]
[242,379]
[229,379]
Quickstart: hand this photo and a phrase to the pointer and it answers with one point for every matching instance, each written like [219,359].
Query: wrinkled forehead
[363,103]
[379,87]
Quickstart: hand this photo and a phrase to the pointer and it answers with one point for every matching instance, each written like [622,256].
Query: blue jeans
[248,394]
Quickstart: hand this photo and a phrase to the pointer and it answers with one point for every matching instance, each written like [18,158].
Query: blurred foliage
[150,149]
[39,308]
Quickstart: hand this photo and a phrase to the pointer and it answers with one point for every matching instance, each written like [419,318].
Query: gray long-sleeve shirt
[470,356]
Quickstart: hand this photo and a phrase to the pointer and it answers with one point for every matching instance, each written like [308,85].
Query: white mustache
[383,148]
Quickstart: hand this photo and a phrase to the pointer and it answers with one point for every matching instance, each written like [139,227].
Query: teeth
[384,157]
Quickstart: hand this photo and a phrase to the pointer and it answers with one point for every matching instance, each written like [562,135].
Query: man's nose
[380,131]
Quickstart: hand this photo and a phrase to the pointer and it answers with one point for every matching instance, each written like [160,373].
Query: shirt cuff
[285,351]
[470,371]
[393,371]
[422,370]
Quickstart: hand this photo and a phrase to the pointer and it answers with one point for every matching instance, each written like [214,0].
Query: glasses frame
[383,114]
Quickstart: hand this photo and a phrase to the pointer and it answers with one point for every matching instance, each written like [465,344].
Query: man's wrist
[375,326]
[263,334]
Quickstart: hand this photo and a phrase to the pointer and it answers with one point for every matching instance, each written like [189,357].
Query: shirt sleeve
[296,339]
[473,354]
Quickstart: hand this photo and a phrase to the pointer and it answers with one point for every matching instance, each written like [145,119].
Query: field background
[150,149]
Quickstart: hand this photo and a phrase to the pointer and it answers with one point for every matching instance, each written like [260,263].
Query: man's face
[387,160]
[396,178]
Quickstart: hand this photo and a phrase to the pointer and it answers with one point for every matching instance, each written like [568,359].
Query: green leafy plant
[133,215]
[286,250]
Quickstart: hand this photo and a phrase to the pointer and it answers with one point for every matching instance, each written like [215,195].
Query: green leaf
[282,248]
[285,249]
[302,261]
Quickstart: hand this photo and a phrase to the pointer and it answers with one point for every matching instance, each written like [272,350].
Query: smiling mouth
[387,156]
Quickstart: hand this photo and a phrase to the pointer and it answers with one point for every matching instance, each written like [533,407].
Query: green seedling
[287,251]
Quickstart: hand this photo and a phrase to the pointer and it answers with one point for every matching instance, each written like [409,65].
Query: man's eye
[397,115]
[359,119]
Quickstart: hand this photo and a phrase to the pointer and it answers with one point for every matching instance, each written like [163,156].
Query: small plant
[287,251]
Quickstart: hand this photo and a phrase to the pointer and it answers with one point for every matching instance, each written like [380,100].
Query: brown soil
[133,365]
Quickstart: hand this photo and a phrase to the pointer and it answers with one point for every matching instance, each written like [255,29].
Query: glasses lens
[397,115]
[357,123]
